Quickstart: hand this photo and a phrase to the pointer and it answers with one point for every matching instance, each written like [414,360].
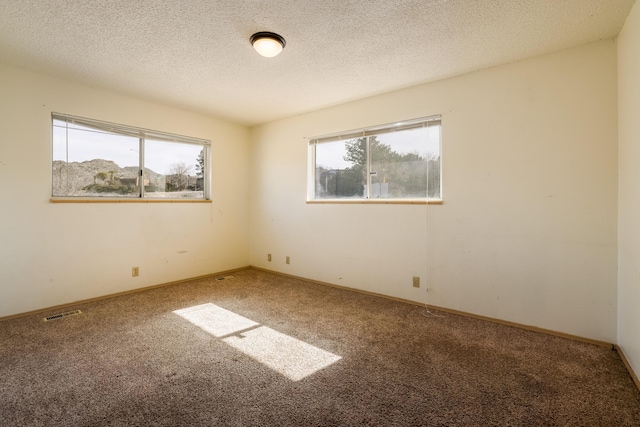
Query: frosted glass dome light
[268,44]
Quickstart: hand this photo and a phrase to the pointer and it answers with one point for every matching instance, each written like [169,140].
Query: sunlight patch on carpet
[286,355]
[216,320]
[289,356]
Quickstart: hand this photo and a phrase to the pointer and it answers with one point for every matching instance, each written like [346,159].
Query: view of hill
[99,177]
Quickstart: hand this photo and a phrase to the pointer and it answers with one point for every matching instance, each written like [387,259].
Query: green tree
[393,175]
[351,181]
[402,175]
[357,151]
[200,164]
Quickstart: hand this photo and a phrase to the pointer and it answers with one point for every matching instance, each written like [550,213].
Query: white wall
[527,232]
[629,193]
[52,254]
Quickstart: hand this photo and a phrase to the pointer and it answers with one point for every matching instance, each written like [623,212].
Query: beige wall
[527,231]
[59,253]
[629,193]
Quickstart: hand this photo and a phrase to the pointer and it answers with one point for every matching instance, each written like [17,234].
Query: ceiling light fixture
[268,44]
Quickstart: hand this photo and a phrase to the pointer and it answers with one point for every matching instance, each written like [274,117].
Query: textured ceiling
[196,54]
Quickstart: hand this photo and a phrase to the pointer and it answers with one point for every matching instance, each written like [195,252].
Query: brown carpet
[264,350]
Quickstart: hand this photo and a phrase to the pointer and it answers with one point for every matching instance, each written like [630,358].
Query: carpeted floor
[259,349]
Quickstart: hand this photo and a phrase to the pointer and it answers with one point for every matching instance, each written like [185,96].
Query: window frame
[370,132]
[143,135]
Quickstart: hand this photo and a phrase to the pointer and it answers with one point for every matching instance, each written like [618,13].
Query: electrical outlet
[416,281]
[288,260]
[269,257]
[135,271]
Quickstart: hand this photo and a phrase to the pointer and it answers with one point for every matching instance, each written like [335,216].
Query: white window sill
[123,200]
[377,201]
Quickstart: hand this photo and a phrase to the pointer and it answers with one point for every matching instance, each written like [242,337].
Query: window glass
[173,170]
[337,175]
[404,164]
[99,159]
[381,164]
